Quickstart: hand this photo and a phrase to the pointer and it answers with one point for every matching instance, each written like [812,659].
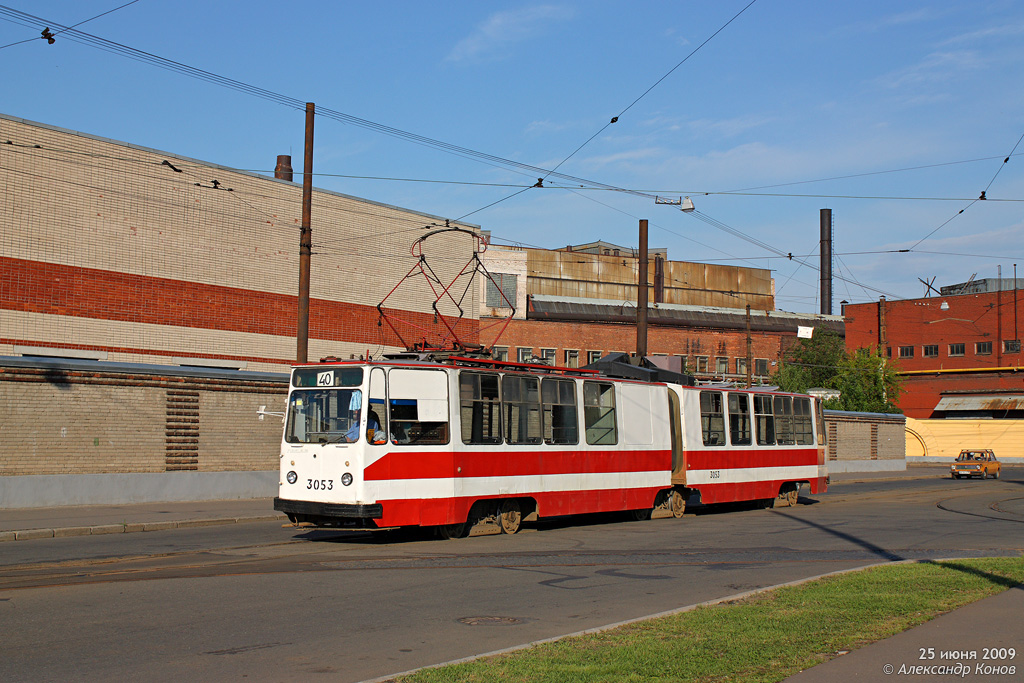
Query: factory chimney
[283,170]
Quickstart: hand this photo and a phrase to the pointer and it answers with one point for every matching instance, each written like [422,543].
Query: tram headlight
[292,477]
[346,479]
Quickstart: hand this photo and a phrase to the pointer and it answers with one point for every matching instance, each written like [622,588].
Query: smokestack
[283,170]
[826,261]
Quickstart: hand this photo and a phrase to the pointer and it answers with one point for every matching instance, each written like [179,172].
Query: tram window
[480,407]
[803,426]
[764,418]
[739,419]
[418,406]
[784,420]
[599,413]
[712,418]
[521,398]
[558,398]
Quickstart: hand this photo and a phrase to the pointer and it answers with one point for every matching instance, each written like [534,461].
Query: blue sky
[793,107]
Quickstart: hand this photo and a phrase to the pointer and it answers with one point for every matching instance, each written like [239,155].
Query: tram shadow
[694,508]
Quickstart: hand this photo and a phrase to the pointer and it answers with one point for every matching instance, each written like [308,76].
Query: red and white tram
[458,441]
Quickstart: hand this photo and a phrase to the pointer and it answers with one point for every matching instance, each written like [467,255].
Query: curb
[126,528]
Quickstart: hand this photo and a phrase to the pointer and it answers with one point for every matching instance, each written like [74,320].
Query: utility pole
[305,241]
[750,352]
[641,295]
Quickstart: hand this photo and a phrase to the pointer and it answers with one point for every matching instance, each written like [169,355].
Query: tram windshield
[324,416]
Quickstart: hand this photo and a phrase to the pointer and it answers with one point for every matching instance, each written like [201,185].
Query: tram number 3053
[715,474]
[320,484]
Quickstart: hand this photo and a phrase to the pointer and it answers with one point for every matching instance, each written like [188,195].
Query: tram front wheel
[510,516]
[678,504]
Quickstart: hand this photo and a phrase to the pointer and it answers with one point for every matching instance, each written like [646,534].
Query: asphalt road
[263,603]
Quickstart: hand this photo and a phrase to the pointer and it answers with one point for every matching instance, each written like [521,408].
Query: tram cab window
[323,416]
[764,420]
[480,407]
[739,419]
[784,420]
[803,424]
[599,413]
[521,398]
[712,418]
[558,398]
[418,406]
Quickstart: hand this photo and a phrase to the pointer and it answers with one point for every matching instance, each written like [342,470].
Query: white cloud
[493,38]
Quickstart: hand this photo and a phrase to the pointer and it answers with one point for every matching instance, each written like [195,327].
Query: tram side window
[739,419]
[558,397]
[480,407]
[803,425]
[521,397]
[784,420]
[764,419]
[712,418]
[599,413]
[418,406]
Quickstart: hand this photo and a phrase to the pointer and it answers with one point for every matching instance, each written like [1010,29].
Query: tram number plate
[325,379]
[320,484]
[715,474]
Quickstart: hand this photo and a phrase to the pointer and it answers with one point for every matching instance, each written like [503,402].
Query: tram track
[349,552]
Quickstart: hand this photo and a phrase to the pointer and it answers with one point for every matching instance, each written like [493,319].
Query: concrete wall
[865,442]
[81,432]
[942,440]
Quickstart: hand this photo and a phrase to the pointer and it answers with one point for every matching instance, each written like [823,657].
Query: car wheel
[996,475]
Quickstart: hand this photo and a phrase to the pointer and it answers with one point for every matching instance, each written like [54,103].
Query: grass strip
[765,637]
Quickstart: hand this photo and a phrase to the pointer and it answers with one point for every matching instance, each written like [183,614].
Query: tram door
[675,427]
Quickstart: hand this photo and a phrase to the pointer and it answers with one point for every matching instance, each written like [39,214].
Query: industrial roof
[563,308]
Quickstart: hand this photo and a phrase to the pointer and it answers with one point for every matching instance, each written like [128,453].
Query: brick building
[110,251]
[574,306]
[959,353]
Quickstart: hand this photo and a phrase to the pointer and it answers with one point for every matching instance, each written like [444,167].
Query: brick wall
[69,420]
[608,337]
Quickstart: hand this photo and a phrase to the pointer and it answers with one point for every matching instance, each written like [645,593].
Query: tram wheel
[789,498]
[510,516]
[450,531]
[678,504]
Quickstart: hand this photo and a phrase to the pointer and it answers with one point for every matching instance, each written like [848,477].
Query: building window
[888,352]
[524,355]
[741,366]
[683,364]
[983,348]
[930,351]
[501,293]
[906,352]
[956,349]
[761,367]
[593,357]
[721,365]
[702,364]
[1011,346]
[499,353]
[572,358]
[547,356]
